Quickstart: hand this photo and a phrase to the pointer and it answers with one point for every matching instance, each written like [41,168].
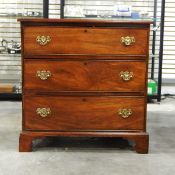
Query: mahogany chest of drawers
[84,78]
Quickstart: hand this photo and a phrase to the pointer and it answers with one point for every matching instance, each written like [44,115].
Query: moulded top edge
[95,21]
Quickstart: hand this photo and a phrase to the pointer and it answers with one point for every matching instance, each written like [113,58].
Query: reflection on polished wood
[84,78]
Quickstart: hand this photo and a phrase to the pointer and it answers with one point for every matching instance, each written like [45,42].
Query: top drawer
[52,40]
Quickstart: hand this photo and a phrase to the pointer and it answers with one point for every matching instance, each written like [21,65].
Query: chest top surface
[85,22]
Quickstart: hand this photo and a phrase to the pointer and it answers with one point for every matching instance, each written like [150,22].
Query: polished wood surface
[83,22]
[84,113]
[82,93]
[85,75]
[141,139]
[84,41]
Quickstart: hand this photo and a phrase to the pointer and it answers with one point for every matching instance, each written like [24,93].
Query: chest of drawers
[84,78]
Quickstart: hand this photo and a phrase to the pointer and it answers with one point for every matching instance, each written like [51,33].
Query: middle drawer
[93,75]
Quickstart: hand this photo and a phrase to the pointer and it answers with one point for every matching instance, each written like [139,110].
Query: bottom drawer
[83,113]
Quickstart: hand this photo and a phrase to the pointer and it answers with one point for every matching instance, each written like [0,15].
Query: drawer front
[59,40]
[83,113]
[120,76]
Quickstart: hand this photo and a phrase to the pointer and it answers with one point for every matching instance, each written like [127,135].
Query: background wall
[169,43]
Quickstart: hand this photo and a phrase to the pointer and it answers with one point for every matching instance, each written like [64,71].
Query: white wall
[169,42]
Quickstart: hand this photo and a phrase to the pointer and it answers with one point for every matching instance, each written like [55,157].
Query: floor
[89,156]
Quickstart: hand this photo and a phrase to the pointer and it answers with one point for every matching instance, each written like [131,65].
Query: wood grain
[85,76]
[66,40]
[83,113]
[83,22]
[84,92]
[141,139]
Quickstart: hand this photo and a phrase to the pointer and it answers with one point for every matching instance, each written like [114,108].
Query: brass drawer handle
[43,74]
[128,40]
[43,112]
[126,75]
[43,40]
[125,113]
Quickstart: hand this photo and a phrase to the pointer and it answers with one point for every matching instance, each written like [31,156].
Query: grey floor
[89,156]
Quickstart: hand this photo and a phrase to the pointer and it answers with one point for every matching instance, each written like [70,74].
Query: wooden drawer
[121,76]
[83,113]
[83,40]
